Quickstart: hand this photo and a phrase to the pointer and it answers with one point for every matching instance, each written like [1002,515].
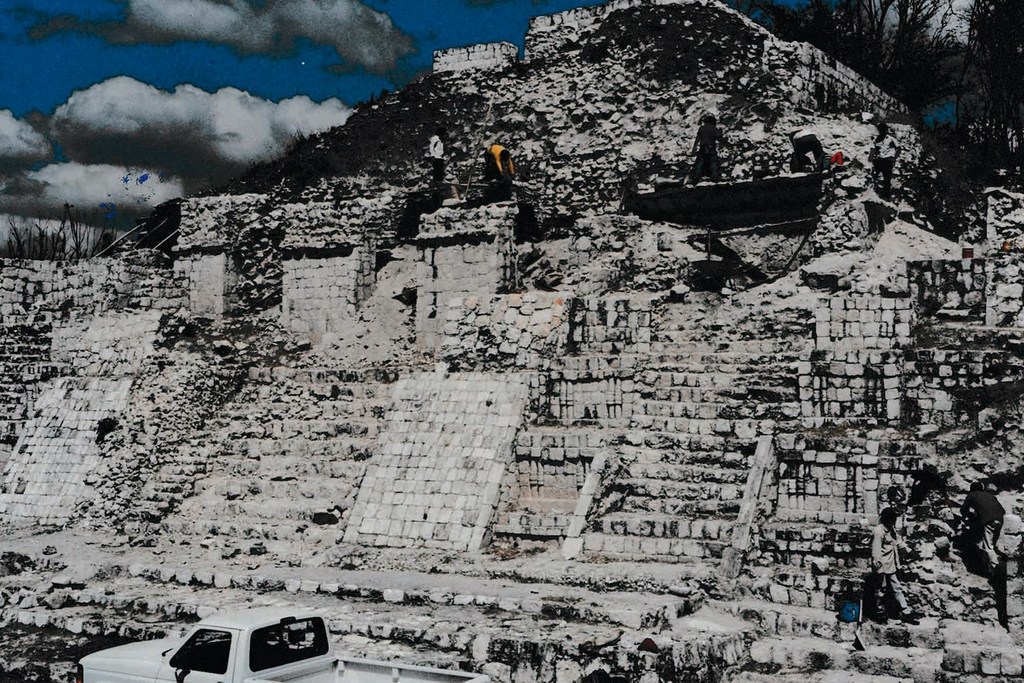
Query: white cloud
[19,141]
[86,186]
[188,132]
[358,33]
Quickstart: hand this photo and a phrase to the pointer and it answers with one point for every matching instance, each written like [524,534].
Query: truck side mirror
[179,674]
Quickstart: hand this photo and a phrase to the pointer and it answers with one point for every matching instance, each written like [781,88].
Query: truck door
[206,657]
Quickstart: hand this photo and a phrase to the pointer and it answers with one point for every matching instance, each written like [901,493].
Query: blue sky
[131,102]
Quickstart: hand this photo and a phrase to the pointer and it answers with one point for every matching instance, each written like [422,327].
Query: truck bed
[348,670]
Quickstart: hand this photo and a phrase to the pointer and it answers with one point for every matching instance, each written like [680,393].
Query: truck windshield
[206,651]
[281,644]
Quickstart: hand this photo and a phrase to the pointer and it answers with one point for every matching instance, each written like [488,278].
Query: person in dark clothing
[808,154]
[705,147]
[983,515]
[883,159]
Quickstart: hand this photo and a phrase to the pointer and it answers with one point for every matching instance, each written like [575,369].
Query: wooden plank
[764,459]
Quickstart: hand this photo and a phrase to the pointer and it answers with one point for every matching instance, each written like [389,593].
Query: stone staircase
[288,471]
[807,644]
[419,618]
[704,398]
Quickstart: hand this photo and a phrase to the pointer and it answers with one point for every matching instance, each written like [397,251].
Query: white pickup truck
[251,646]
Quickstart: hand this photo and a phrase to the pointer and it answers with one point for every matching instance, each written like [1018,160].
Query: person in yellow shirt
[499,170]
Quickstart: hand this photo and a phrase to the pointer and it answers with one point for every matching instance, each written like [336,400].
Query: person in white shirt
[885,562]
[883,159]
[435,152]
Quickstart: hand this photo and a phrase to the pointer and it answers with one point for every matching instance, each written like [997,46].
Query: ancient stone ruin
[615,425]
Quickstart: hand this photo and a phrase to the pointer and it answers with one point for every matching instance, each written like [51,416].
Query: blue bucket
[849,611]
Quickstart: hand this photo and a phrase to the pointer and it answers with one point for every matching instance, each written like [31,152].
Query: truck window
[206,651]
[281,644]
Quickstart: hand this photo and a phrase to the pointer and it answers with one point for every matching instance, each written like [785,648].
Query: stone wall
[610,325]
[111,345]
[825,84]
[852,386]
[842,479]
[551,33]
[953,289]
[59,448]
[203,262]
[1004,305]
[316,227]
[462,253]
[47,305]
[520,330]
[483,56]
[946,388]
[207,223]
[138,280]
[546,481]
[863,322]
[323,294]
[1004,223]
[596,391]
[497,331]
[443,455]
[209,280]
[24,365]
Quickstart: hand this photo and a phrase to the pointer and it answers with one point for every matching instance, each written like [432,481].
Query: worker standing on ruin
[983,517]
[498,173]
[439,169]
[883,159]
[885,563]
[705,147]
[808,154]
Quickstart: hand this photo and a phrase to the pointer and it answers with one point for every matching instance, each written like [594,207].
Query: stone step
[681,340]
[730,409]
[686,473]
[774,619]
[703,410]
[232,530]
[660,488]
[817,654]
[666,367]
[265,508]
[751,388]
[411,590]
[378,378]
[291,467]
[664,526]
[339,480]
[792,542]
[685,457]
[745,428]
[647,549]
[805,588]
[677,507]
[813,677]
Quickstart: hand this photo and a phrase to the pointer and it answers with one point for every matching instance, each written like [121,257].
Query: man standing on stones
[983,515]
[435,153]
[883,159]
[885,563]
[705,146]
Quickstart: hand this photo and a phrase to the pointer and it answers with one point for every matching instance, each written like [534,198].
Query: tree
[990,97]
[907,47]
